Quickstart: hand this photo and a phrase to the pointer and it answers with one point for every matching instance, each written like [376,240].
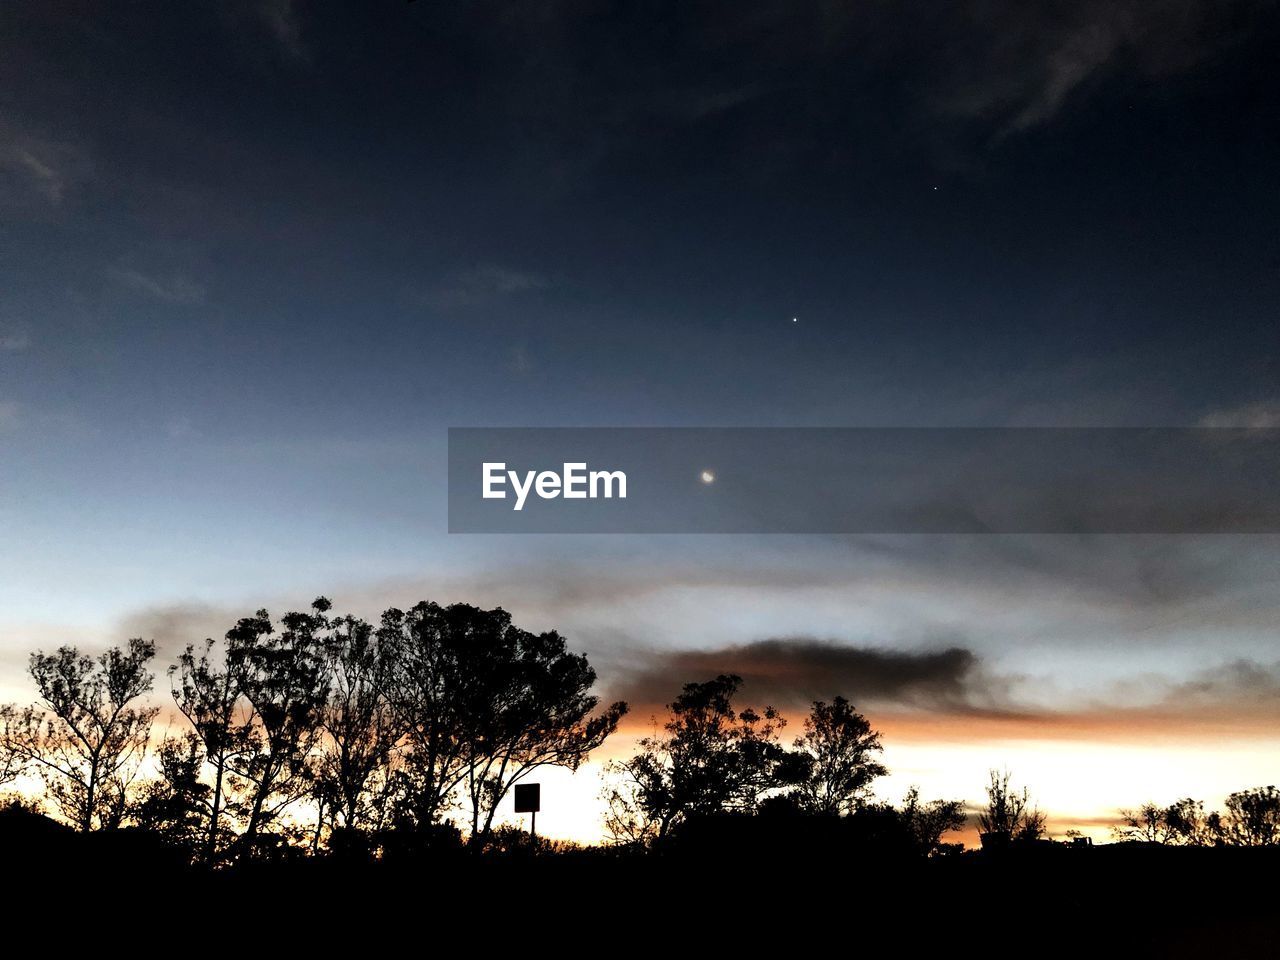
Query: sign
[528,797]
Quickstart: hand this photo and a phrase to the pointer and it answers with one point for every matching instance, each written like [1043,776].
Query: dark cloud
[792,672]
[1245,683]
[173,626]
[947,694]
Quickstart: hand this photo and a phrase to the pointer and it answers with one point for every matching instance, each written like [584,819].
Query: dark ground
[1123,899]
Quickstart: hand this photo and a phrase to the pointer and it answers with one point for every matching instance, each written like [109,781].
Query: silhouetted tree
[1252,818]
[361,732]
[711,760]
[1009,815]
[88,740]
[627,820]
[176,806]
[426,690]
[530,706]
[928,822]
[282,677]
[1187,823]
[209,697]
[1148,824]
[837,750]
[1181,823]
[13,762]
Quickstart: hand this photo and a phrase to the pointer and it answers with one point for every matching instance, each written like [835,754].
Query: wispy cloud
[10,415]
[1260,415]
[36,171]
[14,339]
[45,177]
[1032,58]
[521,361]
[483,285]
[281,18]
[169,289]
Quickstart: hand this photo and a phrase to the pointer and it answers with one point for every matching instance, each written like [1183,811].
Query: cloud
[173,626]
[1243,682]
[172,289]
[1261,415]
[797,82]
[41,424]
[36,171]
[484,284]
[1100,600]
[947,695]
[791,672]
[281,18]
[521,361]
[14,340]
[44,176]
[10,415]
[942,690]
[1024,62]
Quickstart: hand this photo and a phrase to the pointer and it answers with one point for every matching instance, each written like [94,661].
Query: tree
[13,762]
[1252,818]
[282,677]
[210,698]
[530,706]
[176,807]
[839,745]
[711,760]
[628,822]
[425,680]
[1009,815]
[927,823]
[88,740]
[1181,823]
[1148,824]
[1187,823]
[361,732]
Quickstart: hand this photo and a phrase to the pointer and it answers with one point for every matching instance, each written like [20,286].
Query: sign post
[529,800]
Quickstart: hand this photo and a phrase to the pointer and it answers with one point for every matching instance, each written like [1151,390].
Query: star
[707,476]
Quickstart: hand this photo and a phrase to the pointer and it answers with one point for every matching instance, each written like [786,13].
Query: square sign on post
[528,797]
[529,800]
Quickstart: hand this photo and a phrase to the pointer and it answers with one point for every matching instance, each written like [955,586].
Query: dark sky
[255,257]
[272,215]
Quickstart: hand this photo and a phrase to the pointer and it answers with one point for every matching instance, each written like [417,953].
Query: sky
[257,257]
